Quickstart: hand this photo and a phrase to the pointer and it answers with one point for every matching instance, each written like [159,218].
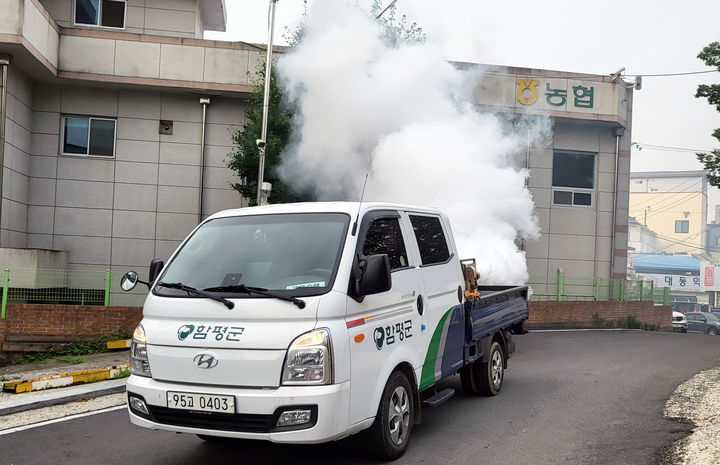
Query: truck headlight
[139,363]
[309,359]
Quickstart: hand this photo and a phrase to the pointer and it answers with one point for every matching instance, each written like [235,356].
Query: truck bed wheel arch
[487,341]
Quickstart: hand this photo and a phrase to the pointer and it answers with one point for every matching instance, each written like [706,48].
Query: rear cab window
[431,239]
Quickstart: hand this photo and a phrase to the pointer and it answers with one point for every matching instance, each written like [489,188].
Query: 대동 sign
[676,282]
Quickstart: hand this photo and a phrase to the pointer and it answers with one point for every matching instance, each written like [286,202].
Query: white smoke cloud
[405,115]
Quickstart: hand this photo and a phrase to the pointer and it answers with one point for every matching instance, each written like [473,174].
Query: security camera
[260,143]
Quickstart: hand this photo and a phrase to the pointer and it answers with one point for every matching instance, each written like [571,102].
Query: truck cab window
[431,239]
[384,236]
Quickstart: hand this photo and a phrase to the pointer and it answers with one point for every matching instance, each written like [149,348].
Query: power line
[673,203]
[641,145]
[590,76]
[678,202]
[674,194]
[674,74]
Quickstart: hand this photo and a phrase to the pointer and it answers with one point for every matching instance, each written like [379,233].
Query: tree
[245,157]
[397,32]
[711,56]
[244,160]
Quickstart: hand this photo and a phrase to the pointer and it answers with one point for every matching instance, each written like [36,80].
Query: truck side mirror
[375,275]
[156,267]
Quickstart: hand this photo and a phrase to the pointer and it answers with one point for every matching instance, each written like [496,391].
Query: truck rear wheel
[489,375]
[390,433]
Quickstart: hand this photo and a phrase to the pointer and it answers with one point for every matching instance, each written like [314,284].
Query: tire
[712,331]
[389,435]
[489,375]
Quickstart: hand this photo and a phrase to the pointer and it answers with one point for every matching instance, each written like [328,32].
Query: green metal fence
[94,287]
[566,287]
[75,287]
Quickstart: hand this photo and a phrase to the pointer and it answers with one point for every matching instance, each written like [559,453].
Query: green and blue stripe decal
[445,351]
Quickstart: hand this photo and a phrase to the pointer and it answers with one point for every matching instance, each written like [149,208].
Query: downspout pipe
[204,101]
[5,61]
[617,132]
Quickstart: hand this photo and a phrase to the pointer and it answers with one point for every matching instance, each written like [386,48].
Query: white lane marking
[59,420]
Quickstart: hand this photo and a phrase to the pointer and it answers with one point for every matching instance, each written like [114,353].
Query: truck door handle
[420,305]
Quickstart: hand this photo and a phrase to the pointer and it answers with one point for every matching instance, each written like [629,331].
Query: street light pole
[263,191]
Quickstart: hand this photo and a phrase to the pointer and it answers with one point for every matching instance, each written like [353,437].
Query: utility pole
[263,190]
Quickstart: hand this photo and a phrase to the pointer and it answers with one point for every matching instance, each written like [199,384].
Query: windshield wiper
[256,290]
[198,292]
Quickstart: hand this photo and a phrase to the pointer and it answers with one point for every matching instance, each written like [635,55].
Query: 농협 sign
[551,94]
[676,282]
[527,94]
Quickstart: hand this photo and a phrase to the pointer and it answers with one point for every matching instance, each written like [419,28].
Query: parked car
[679,322]
[703,322]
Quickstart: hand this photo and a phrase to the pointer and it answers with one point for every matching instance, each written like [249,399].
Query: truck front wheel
[390,433]
[490,374]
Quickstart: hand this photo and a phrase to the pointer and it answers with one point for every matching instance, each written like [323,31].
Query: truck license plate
[201,402]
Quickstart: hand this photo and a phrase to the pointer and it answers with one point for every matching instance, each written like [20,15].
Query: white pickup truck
[305,323]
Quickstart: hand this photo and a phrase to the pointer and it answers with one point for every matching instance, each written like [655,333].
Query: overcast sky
[644,36]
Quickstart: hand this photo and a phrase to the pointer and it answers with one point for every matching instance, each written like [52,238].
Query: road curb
[119,344]
[55,398]
[66,379]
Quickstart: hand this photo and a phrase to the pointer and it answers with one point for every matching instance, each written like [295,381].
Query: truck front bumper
[256,411]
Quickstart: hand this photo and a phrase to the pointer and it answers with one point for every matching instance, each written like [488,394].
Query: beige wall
[574,238]
[126,210]
[176,18]
[154,60]
[24,22]
[16,172]
[663,209]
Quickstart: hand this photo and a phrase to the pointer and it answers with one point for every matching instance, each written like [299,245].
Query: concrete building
[107,105]
[673,204]
[680,273]
[119,116]
[578,177]
[640,238]
[712,244]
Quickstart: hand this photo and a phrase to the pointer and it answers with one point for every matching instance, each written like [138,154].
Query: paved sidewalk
[57,372]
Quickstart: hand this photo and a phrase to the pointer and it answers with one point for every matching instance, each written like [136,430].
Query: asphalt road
[569,397]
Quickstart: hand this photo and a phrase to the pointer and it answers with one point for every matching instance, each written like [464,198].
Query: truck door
[441,276]
[384,328]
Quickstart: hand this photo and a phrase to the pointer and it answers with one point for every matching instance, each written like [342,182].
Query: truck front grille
[240,422]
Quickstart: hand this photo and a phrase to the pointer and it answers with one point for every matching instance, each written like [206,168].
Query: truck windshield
[294,254]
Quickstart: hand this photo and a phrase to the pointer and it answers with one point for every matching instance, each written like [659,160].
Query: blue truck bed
[470,326]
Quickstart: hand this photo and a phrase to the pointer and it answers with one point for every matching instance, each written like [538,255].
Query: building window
[84,135]
[105,13]
[682,226]
[573,178]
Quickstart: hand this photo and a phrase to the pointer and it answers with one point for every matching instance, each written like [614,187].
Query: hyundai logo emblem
[205,361]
